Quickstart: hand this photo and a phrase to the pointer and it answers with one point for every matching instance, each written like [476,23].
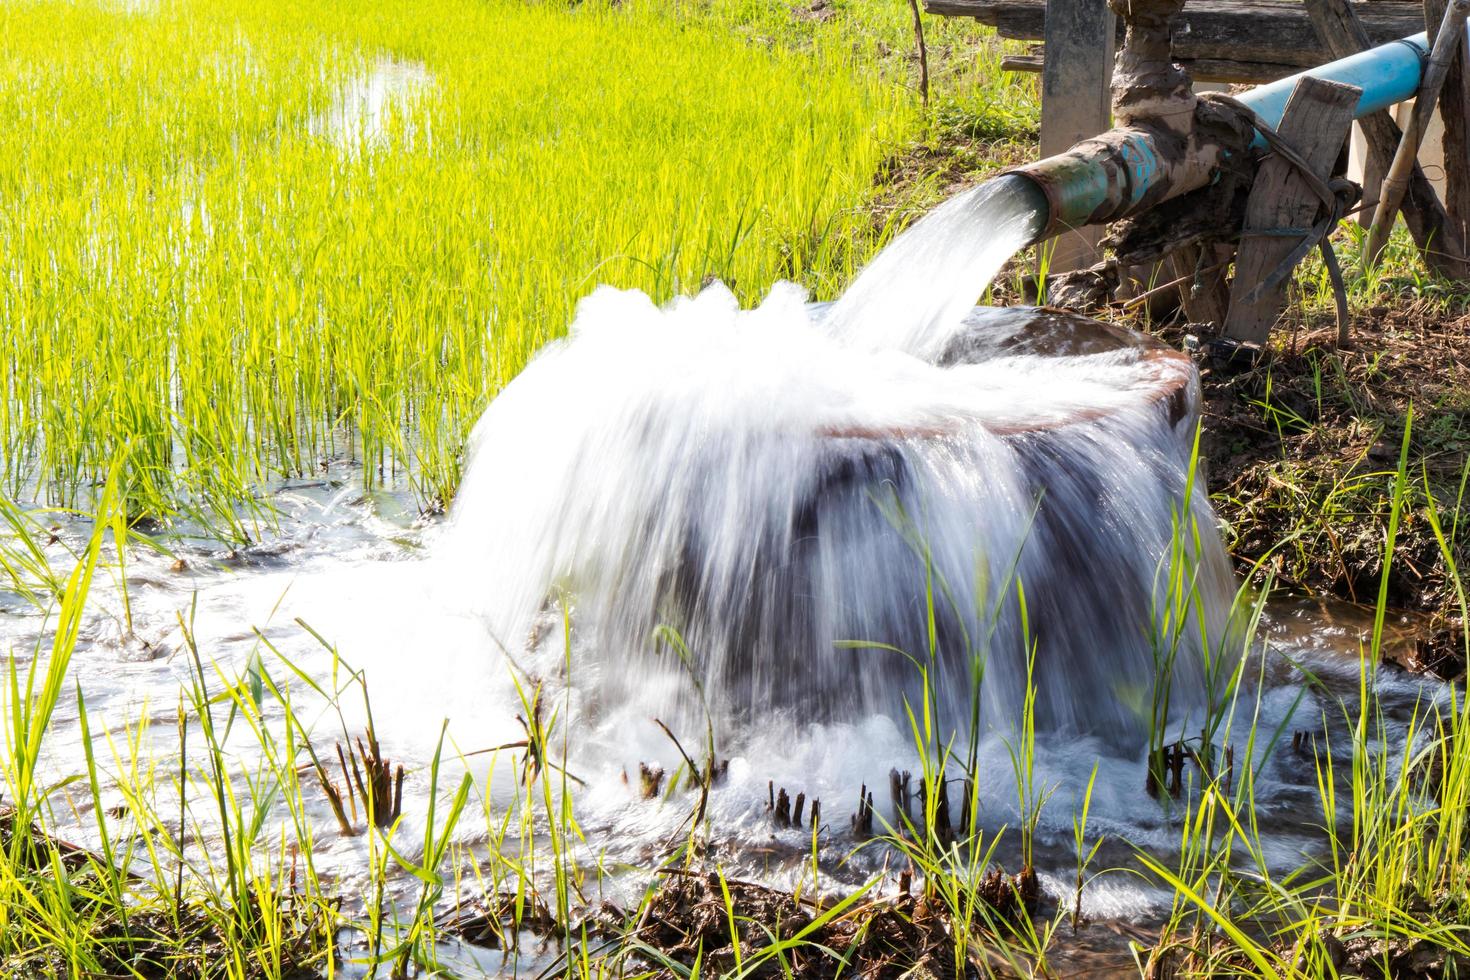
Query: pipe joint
[1099,180]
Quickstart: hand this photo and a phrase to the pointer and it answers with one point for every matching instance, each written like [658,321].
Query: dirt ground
[1302,450]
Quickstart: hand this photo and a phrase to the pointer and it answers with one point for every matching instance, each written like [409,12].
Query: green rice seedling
[32,702]
[245,896]
[556,799]
[23,560]
[1084,853]
[1180,617]
[1176,618]
[74,911]
[393,939]
[418,942]
[251,240]
[1406,841]
[989,912]
[1202,902]
[1394,831]
[703,775]
[1397,504]
[200,265]
[1029,797]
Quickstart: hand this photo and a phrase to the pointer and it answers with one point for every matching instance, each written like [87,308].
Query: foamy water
[358,571]
[778,495]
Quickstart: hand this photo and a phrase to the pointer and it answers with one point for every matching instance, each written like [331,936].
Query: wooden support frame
[1342,33]
[1454,111]
[1443,54]
[1203,291]
[1076,101]
[1200,69]
[1261,31]
[1317,120]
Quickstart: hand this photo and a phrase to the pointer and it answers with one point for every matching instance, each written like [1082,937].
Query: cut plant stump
[650,781]
[862,821]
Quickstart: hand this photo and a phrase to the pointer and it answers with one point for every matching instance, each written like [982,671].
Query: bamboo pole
[1454,111]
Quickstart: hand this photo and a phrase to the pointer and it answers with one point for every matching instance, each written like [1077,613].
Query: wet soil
[1360,956]
[1301,449]
[701,921]
[153,945]
[698,917]
[146,940]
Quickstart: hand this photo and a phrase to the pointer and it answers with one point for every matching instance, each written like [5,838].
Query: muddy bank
[1302,448]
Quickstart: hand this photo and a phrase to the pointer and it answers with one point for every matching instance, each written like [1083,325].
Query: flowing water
[914,294]
[813,499]
[789,503]
[761,526]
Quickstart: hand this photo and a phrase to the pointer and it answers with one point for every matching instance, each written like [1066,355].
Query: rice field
[248,241]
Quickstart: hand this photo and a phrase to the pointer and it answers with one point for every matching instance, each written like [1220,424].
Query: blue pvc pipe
[1388,74]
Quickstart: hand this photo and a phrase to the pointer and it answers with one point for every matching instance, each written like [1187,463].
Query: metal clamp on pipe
[1098,180]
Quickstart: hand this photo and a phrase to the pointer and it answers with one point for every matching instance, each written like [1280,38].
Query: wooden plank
[1200,69]
[1318,117]
[1075,101]
[1454,111]
[1341,31]
[1436,69]
[1270,31]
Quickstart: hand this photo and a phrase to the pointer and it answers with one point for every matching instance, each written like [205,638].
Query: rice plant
[252,241]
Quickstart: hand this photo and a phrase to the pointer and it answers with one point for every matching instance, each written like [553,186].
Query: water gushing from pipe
[796,489]
[916,291]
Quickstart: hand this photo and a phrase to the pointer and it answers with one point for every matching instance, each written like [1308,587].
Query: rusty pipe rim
[1171,387]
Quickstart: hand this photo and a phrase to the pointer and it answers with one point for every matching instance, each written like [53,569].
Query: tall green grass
[1385,895]
[192,267]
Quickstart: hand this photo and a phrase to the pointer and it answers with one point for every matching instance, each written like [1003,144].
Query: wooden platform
[1230,40]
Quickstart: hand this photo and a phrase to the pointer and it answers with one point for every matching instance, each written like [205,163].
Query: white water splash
[776,495]
[771,482]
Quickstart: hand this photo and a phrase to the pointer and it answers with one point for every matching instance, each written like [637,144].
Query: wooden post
[1317,119]
[1454,110]
[1343,34]
[1374,169]
[1442,56]
[1203,293]
[1075,100]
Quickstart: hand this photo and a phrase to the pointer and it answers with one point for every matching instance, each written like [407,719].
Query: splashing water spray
[817,498]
